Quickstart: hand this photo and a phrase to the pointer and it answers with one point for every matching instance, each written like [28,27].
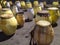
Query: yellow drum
[6,11]
[20,18]
[8,24]
[35,3]
[4,4]
[42,15]
[23,5]
[43,33]
[28,5]
[54,14]
[14,10]
[55,3]
[36,9]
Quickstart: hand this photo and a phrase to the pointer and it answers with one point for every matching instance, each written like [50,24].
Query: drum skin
[43,35]
[8,25]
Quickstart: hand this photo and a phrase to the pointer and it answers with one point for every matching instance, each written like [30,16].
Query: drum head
[53,8]
[5,9]
[43,23]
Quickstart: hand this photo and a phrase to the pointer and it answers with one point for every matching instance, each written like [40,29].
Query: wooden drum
[42,34]
[42,15]
[54,14]
[20,18]
[8,24]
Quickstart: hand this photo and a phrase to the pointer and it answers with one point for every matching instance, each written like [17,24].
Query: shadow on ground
[54,25]
[18,27]
[4,37]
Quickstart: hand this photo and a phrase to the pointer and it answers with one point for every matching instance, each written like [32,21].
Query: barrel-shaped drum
[23,5]
[54,14]
[35,3]
[28,5]
[20,18]
[8,24]
[36,9]
[18,4]
[43,33]
[42,15]
[55,3]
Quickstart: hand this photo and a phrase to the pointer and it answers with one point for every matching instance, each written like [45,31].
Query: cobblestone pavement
[22,35]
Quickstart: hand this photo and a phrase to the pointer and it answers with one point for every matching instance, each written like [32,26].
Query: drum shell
[43,35]
[8,26]
[23,5]
[54,15]
[35,3]
[36,9]
[20,19]
[28,5]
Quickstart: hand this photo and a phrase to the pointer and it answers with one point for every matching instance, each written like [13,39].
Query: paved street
[22,35]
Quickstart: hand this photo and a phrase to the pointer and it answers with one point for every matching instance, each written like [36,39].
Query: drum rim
[6,16]
[44,23]
[52,8]
[5,9]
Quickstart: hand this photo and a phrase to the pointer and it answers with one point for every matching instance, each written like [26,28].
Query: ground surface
[22,35]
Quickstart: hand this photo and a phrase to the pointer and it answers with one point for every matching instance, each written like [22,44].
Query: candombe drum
[4,3]
[18,4]
[35,3]
[6,11]
[41,4]
[23,5]
[43,33]
[7,4]
[30,13]
[55,3]
[26,15]
[8,24]
[36,9]
[54,15]
[28,5]
[42,15]
[20,18]
[14,10]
